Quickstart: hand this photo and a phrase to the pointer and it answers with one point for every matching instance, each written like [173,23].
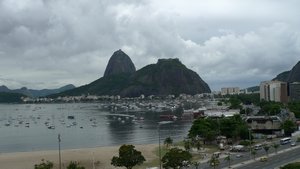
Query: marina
[32,127]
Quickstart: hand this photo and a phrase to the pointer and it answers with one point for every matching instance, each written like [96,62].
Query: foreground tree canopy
[74,165]
[295,165]
[289,127]
[44,165]
[176,158]
[208,129]
[128,157]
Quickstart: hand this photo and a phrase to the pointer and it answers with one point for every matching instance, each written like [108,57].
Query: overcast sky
[51,43]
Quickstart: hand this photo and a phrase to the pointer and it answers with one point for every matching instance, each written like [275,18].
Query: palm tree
[266,148]
[187,145]
[196,164]
[253,152]
[228,159]
[168,141]
[214,162]
[196,142]
[275,146]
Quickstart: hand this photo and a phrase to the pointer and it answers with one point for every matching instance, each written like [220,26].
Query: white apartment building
[274,91]
[230,90]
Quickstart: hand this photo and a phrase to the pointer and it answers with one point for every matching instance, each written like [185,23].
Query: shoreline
[101,156]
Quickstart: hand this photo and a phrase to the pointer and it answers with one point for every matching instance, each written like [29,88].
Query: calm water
[24,127]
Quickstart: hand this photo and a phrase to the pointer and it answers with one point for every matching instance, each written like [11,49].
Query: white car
[293,143]
[239,156]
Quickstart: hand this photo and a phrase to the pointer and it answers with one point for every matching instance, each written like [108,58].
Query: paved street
[284,155]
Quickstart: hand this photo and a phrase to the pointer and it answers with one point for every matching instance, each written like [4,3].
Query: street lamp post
[159,148]
[250,138]
[59,151]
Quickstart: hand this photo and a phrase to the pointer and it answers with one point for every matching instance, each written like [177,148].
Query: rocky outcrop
[119,63]
[4,89]
[36,93]
[282,76]
[294,75]
[290,76]
[167,76]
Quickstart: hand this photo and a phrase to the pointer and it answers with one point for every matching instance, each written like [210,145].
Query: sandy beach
[85,156]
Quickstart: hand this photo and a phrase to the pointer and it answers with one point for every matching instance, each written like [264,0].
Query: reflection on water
[32,127]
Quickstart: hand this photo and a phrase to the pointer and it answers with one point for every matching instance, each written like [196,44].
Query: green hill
[167,76]
[10,97]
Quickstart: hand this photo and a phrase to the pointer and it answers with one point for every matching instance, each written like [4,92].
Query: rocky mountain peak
[119,63]
[3,89]
[294,75]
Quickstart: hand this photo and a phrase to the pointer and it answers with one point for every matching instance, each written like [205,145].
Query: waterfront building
[264,124]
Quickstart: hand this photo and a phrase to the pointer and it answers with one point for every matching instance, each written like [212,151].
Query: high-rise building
[230,90]
[294,91]
[274,91]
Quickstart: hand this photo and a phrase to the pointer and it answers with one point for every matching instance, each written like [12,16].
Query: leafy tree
[248,99]
[295,165]
[168,141]
[232,127]
[74,165]
[295,108]
[235,103]
[270,108]
[275,146]
[205,128]
[214,162]
[289,127]
[44,165]
[128,157]
[176,158]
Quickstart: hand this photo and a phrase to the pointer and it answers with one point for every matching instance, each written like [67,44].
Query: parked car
[216,154]
[293,143]
[258,147]
[238,155]
[263,159]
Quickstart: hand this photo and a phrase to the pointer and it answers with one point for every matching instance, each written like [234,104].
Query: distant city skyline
[229,43]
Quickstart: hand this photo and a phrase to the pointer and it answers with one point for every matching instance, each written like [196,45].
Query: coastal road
[275,160]
[286,154]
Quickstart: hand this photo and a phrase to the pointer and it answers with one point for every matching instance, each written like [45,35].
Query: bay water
[35,127]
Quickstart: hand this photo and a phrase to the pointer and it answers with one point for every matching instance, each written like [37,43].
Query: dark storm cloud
[47,44]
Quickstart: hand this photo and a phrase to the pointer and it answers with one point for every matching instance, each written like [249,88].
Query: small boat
[71,117]
[51,127]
